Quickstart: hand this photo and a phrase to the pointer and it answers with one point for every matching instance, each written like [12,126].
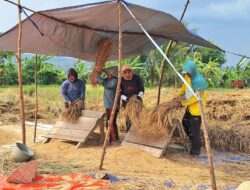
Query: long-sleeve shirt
[71,91]
[131,87]
[109,91]
[191,101]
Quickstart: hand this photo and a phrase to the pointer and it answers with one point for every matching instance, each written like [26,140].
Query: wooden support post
[209,155]
[182,136]
[36,107]
[19,60]
[117,88]
[167,52]
[102,134]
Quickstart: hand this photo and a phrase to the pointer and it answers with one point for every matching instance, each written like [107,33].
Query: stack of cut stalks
[72,113]
[233,138]
[156,123]
[103,53]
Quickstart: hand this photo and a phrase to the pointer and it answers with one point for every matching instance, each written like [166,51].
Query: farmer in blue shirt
[110,83]
[73,89]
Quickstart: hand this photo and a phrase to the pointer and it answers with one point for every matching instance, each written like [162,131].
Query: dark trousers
[114,130]
[192,126]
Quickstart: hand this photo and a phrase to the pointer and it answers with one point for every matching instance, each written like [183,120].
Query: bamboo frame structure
[168,49]
[117,89]
[36,106]
[19,60]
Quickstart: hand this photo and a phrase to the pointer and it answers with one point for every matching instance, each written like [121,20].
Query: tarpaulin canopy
[76,31]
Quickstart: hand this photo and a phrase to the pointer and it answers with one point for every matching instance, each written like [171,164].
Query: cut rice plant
[133,111]
[103,53]
[72,113]
[156,123]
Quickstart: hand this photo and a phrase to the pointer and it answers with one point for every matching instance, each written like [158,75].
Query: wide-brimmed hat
[112,70]
[126,67]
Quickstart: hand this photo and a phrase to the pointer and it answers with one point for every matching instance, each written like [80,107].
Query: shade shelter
[77,31]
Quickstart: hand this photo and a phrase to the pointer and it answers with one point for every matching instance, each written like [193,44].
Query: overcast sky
[224,22]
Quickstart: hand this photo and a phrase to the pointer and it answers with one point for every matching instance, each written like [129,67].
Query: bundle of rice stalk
[133,110]
[163,114]
[103,53]
[72,113]
[156,123]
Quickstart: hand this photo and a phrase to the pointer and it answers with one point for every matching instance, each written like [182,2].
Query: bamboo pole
[207,142]
[167,52]
[19,60]
[117,89]
[36,109]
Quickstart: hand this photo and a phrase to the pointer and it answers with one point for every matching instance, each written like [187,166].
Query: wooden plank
[92,130]
[91,113]
[154,151]
[80,130]
[155,146]
[168,139]
[175,123]
[79,145]
[146,141]
[83,123]
[65,137]
[46,140]
[182,136]
[70,132]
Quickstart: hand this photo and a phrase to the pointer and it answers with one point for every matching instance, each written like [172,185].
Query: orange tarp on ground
[64,182]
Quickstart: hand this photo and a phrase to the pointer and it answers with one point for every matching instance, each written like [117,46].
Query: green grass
[51,102]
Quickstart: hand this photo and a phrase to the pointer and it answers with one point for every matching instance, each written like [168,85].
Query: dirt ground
[138,169]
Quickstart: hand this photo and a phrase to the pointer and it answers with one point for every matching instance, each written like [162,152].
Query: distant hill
[61,62]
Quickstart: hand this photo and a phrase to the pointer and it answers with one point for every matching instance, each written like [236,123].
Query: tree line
[147,65]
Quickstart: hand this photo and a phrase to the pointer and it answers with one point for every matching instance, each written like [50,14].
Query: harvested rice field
[228,118]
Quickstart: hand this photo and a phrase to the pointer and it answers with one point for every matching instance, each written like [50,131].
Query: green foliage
[48,74]
[147,65]
[208,54]
[28,65]
[8,69]
[211,72]
[81,69]
[240,72]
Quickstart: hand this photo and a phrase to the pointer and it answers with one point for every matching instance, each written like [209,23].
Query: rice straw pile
[72,113]
[235,138]
[155,123]
[103,53]
[9,108]
[7,165]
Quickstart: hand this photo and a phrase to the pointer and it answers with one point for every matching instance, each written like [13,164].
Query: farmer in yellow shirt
[192,117]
